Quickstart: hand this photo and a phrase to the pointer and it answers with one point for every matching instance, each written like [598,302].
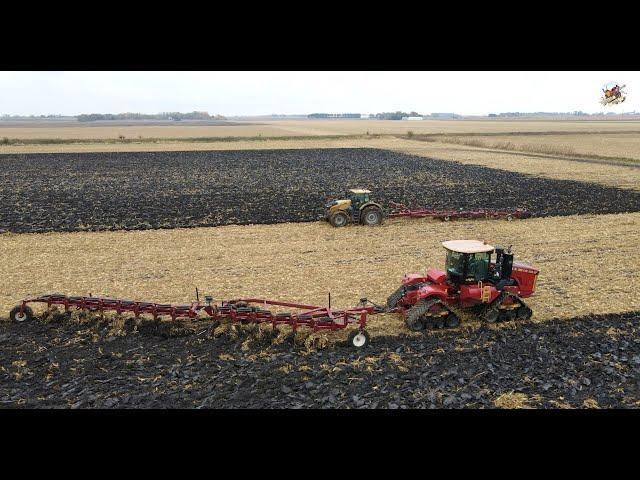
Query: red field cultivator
[247,310]
[359,208]
[401,210]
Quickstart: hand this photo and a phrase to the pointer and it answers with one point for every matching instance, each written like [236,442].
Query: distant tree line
[396,115]
[32,117]
[176,116]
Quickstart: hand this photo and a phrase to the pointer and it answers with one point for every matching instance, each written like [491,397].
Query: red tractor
[492,289]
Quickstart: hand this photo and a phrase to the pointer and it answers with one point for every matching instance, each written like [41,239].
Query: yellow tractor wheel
[371,216]
[339,219]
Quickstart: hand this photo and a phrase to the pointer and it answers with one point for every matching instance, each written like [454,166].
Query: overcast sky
[263,93]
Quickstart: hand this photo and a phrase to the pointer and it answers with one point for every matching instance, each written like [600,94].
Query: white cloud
[246,93]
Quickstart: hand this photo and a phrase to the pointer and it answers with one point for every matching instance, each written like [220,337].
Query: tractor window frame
[460,267]
[359,198]
[475,260]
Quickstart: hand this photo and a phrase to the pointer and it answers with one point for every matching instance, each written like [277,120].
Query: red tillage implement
[492,289]
[247,310]
[401,210]
[359,208]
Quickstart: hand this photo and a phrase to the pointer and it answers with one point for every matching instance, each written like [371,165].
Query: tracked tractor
[491,288]
[357,208]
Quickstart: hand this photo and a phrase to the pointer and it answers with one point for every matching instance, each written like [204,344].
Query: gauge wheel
[359,339]
[17,316]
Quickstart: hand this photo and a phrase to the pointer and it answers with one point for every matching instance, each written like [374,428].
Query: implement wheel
[339,219]
[359,338]
[371,216]
[25,316]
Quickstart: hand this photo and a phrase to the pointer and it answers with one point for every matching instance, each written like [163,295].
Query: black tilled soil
[583,362]
[111,191]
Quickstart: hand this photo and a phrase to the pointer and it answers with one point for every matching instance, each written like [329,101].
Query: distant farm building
[412,118]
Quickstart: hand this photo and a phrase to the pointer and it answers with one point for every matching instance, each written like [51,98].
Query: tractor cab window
[455,264]
[358,199]
[478,266]
[464,266]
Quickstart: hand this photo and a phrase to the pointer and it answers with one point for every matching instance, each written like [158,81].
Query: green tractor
[357,208]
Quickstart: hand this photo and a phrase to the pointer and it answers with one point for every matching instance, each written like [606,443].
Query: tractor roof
[467,246]
[359,190]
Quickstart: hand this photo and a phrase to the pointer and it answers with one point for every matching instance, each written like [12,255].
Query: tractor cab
[467,261]
[358,197]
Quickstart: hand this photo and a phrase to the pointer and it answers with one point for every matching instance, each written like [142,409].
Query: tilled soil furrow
[151,190]
[593,361]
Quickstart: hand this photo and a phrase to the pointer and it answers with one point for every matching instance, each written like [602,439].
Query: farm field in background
[460,126]
[608,159]
[283,128]
[620,145]
[112,191]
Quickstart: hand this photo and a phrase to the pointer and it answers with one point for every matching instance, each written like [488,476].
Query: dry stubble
[588,263]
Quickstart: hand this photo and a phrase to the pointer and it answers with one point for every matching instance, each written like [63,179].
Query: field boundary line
[584,158]
[527,133]
[161,140]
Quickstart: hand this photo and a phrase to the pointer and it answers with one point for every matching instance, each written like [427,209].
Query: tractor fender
[432,290]
[371,204]
[436,276]
[413,278]
[340,206]
[424,293]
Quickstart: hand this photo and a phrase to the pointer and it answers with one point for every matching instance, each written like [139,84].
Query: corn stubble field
[581,349]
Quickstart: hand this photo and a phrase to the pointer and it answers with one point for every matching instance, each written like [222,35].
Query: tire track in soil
[143,190]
